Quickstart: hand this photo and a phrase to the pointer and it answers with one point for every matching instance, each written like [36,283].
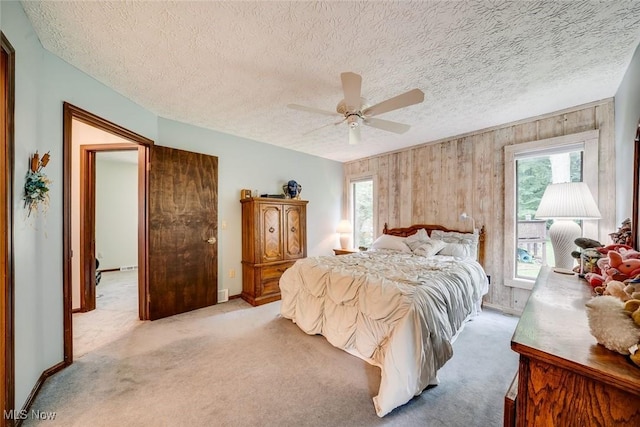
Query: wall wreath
[36,187]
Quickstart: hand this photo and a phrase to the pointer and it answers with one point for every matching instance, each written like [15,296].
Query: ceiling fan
[356,111]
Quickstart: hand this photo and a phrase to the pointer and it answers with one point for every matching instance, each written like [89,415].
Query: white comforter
[398,311]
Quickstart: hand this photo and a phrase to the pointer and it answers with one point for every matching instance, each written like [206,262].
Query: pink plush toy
[619,264]
[629,253]
[615,247]
[627,267]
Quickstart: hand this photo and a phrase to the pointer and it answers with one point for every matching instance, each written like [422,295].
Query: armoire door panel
[271,233]
[294,243]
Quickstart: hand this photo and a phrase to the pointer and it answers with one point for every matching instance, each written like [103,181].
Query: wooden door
[294,231]
[183,217]
[271,232]
[7,328]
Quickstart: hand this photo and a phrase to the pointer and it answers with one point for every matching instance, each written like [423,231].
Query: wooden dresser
[274,236]
[565,378]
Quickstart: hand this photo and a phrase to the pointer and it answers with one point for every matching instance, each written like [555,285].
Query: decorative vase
[292,190]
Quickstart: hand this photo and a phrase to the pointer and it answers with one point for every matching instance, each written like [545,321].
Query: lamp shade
[344,227]
[568,200]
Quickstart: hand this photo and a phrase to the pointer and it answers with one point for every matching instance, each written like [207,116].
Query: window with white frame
[529,168]
[362,211]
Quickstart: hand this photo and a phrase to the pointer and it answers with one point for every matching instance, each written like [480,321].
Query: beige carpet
[116,313]
[237,365]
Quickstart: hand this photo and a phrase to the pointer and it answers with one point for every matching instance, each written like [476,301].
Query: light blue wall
[43,83]
[243,163]
[627,113]
[29,354]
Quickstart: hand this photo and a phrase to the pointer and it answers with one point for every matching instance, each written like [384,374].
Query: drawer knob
[293,229]
[271,229]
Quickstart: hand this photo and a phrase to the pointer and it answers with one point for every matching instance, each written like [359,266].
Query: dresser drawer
[274,271]
[271,286]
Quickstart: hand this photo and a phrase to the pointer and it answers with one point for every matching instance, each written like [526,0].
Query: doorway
[107,220]
[86,230]
[84,223]
[7,98]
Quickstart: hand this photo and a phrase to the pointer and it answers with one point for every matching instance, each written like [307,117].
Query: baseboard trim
[76,310]
[36,388]
[106,270]
[234,296]
[504,310]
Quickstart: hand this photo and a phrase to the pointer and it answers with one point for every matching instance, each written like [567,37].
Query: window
[529,168]
[533,173]
[362,214]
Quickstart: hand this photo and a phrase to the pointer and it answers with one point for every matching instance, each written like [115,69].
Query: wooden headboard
[408,231]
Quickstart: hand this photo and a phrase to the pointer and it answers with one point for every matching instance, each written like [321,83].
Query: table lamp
[344,229]
[564,203]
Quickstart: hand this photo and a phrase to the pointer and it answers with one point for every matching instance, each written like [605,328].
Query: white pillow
[430,248]
[461,250]
[417,239]
[460,244]
[387,241]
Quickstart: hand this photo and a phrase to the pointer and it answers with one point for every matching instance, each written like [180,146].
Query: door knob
[211,241]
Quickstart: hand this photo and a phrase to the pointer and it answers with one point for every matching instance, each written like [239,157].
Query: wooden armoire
[274,236]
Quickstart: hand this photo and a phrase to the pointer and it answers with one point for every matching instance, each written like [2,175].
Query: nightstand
[344,251]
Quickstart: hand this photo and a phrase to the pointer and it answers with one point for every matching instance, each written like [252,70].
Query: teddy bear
[633,288]
[614,288]
[632,307]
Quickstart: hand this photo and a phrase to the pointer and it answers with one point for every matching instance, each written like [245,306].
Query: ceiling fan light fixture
[354,135]
[353,120]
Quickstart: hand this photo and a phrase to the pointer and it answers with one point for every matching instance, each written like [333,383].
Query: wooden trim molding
[71,112]
[635,221]
[36,388]
[87,205]
[7,299]
[588,141]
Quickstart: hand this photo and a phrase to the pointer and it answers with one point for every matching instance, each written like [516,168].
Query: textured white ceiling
[234,66]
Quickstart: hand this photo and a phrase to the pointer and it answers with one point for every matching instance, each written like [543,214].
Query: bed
[398,305]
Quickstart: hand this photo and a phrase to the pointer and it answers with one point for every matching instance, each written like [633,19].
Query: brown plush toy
[633,308]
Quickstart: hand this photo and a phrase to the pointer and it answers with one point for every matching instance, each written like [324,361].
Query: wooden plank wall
[435,182]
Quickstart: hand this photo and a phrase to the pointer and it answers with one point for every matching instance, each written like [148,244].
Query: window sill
[520,283]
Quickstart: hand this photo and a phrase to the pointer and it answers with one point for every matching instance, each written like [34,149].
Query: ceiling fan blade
[414,96]
[351,85]
[354,135]
[324,126]
[312,110]
[387,125]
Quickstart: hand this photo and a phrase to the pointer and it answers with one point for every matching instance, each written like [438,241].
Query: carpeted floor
[116,313]
[237,365]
